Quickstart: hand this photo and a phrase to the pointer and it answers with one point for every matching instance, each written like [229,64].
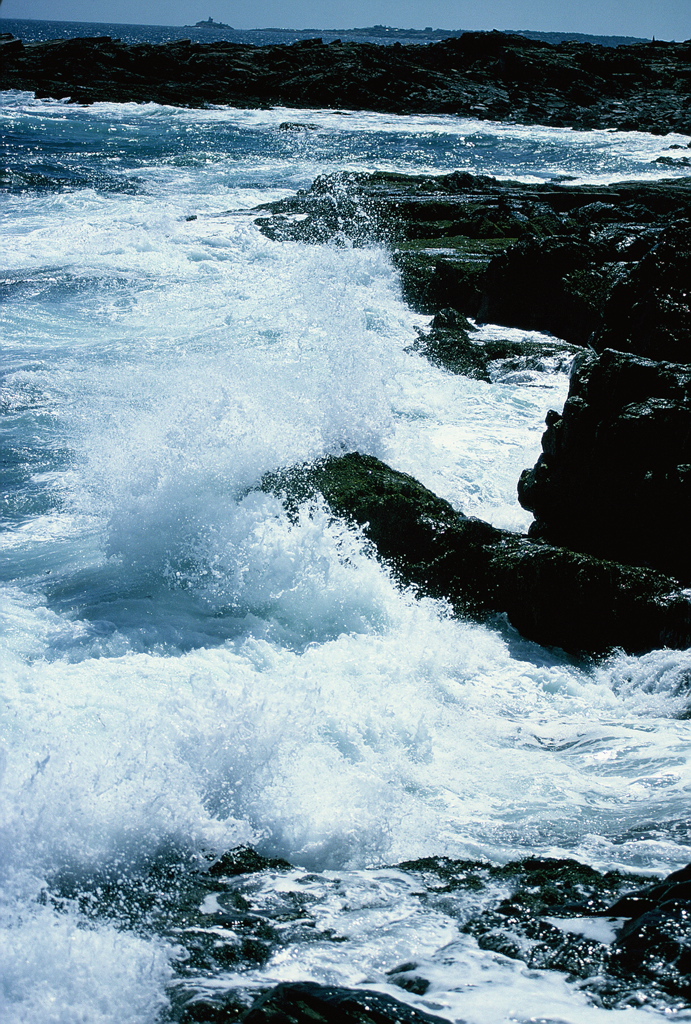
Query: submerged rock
[614,478]
[619,934]
[450,343]
[550,594]
[559,915]
[305,1002]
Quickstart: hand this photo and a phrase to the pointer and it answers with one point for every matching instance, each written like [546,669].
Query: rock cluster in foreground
[491,75]
[620,938]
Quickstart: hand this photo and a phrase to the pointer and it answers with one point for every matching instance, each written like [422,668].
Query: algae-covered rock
[549,594]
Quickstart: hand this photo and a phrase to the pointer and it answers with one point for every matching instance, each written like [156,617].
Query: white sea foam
[58,969]
[185,667]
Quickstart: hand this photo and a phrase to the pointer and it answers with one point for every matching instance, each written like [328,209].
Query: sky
[664,19]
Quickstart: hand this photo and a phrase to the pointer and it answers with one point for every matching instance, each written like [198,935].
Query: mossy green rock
[550,594]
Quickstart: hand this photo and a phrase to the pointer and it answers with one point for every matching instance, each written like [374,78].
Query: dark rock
[492,75]
[551,284]
[244,860]
[539,257]
[614,478]
[675,887]
[528,920]
[658,945]
[649,310]
[296,126]
[226,1008]
[447,274]
[549,594]
[405,976]
[525,908]
[680,161]
[202,905]
[449,343]
[305,1002]
[8,44]
[656,942]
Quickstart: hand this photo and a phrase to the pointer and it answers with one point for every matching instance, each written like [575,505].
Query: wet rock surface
[618,937]
[308,1003]
[550,594]
[453,342]
[614,477]
[606,265]
[648,310]
[491,75]
[565,916]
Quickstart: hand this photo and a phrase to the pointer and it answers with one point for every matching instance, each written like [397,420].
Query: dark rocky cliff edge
[645,86]
[606,267]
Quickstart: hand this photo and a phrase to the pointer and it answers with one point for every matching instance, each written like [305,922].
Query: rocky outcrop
[655,943]
[491,75]
[618,935]
[598,264]
[231,914]
[614,478]
[550,594]
[608,267]
[453,342]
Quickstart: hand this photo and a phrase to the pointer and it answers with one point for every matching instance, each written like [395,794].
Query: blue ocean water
[36,31]
[184,668]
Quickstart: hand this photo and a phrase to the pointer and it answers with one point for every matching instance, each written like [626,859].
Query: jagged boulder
[655,943]
[550,594]
[614,478]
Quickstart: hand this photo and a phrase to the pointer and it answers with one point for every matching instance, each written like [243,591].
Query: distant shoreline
[383,34]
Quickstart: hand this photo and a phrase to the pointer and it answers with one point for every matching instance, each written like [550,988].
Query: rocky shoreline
[605,267]
[607,563]
[487,75]
[619,937]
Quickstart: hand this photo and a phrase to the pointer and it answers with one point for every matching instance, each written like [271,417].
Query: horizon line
[354,28]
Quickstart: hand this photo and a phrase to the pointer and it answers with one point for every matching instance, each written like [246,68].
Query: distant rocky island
[389,34]
[210,23]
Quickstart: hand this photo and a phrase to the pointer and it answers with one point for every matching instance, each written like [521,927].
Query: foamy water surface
[184,668]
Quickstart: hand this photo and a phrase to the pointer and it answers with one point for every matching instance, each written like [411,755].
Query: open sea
[36,31]
[184,669]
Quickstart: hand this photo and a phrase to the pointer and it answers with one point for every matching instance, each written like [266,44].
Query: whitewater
[186,669]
